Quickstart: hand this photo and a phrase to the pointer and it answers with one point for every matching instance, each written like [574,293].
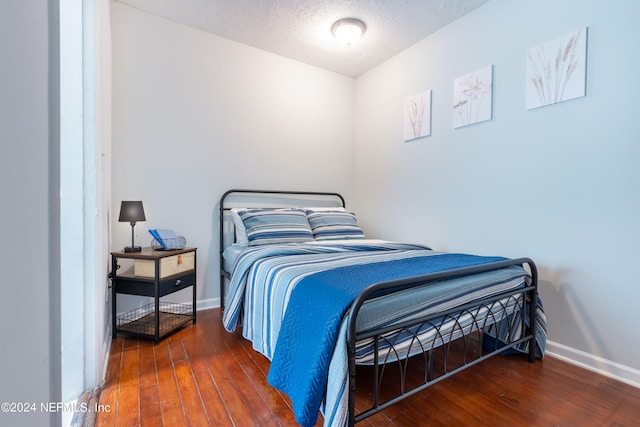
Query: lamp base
[128,249]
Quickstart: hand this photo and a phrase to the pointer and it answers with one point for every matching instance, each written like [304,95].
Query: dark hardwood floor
[203,375]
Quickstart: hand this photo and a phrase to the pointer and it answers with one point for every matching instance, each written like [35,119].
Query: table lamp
[132,212]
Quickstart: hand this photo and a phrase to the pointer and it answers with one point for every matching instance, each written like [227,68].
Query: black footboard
[454,344]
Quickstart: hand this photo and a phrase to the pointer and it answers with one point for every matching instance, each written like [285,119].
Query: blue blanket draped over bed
[315,310]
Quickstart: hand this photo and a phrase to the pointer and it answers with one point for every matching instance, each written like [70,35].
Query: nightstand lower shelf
[142,321]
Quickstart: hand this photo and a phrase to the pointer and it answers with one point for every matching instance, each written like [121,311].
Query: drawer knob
[178,282]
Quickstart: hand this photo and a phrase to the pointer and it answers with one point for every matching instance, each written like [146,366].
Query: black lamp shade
[131,212]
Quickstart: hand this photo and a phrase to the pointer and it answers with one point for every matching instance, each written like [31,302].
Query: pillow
[268,226]
[241,232]
[333,224]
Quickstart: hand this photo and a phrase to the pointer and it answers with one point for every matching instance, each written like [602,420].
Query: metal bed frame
[440,358]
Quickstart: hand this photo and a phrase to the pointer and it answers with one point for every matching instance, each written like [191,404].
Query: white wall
[195,114]
[29,307]
[559,184]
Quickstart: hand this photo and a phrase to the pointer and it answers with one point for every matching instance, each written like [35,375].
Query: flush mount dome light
[348,30]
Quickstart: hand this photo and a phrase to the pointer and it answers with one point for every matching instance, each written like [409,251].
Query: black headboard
[264,199]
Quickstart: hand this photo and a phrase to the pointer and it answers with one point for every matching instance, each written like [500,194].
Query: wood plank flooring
[203,375]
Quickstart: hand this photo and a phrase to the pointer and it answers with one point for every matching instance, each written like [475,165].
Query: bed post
[533,309]
[352,383]
[221,247]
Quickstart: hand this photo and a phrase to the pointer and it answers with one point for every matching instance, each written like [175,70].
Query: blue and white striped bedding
[264,277]
[268,274]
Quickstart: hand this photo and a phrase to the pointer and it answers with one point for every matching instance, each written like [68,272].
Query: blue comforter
[312,320]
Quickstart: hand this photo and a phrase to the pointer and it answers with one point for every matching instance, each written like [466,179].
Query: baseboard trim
[206,304]
[594,363]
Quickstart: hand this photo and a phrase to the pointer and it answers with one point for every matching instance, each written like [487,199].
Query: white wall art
[417,116]
[556,70]
[472,97]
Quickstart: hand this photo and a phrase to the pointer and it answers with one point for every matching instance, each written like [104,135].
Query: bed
[321,300]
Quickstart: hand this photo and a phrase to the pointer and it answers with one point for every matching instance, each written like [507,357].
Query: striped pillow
[334,224]
[269,226]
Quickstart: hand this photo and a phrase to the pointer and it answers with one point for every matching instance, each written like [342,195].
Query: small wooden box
[168,265]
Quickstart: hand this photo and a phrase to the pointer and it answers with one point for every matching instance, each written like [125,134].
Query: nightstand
[155,274]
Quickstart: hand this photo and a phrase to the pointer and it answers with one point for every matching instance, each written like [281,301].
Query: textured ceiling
[301,29]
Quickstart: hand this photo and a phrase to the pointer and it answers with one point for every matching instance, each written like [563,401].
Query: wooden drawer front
[176,283]
[169,266]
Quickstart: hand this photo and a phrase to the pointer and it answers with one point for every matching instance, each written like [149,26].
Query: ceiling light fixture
[348,30]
